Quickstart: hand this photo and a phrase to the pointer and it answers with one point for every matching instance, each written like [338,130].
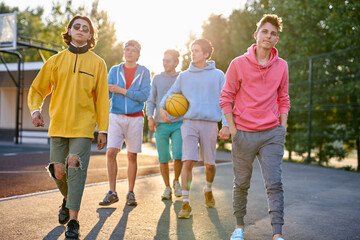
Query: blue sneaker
[238,234]
[110,198]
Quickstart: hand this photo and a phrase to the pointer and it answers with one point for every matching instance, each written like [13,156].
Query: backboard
[8,31]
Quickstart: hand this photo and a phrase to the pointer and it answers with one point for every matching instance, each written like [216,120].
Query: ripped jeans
[73,181]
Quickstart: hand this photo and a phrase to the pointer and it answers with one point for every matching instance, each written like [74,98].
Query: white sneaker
[167,194]
[238,234]
[177,189]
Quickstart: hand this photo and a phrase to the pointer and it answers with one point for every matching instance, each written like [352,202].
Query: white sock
[185,196]
[208,186]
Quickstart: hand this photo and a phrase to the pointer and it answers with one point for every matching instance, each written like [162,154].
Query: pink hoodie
[258,93]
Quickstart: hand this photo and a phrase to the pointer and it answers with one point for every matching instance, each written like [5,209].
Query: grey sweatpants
[268,147]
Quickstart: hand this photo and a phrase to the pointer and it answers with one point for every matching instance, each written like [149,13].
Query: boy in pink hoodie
[255,102]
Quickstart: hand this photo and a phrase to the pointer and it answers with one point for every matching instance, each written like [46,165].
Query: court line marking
[95,184]
[89,170]
[21,153]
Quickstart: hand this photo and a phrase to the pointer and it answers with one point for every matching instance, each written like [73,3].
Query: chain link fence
[324,120]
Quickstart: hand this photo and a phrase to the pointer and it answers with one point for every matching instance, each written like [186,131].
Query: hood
[210,65]
[165,75]
[251,57]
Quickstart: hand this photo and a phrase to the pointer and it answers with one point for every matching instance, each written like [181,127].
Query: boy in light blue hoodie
[201,85]
[129,86]
[166,131]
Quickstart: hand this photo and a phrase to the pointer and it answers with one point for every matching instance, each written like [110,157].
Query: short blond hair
[272,19]
[175,54]
[134,44]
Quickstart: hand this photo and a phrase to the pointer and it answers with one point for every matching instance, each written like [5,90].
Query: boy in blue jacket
[201,85]
[129,86]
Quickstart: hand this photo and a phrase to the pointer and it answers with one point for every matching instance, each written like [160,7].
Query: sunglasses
[85,28]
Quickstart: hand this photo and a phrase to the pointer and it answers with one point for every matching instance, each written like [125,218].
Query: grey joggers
[268,147]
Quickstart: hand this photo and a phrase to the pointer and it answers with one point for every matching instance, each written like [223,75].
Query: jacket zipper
[117,83]
[75,61]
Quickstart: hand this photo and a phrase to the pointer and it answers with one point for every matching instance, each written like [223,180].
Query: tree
[216,30]
[31,23]
[311,27]
[186,58]
[106,47]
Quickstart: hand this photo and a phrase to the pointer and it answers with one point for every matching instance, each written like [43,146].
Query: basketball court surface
[320,203]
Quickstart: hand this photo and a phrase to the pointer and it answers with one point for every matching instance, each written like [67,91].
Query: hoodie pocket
[257,118]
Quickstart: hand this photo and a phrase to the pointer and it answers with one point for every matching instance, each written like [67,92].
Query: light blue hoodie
[159,87]
[136,95]
[202,88]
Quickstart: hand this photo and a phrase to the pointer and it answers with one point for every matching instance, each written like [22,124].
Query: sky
[157,24]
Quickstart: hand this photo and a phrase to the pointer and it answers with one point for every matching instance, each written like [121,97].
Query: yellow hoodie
[77,79]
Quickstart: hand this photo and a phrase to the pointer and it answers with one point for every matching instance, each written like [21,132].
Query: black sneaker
[72,229]
[63,213]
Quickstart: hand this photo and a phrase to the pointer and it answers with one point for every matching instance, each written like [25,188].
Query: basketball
[176,105]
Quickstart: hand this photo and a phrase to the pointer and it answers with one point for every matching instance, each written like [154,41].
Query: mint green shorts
[164,132]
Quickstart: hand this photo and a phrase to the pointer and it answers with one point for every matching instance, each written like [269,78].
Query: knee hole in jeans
[73,161]
[56,170]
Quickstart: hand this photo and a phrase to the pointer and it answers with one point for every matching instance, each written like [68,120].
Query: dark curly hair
[93,31]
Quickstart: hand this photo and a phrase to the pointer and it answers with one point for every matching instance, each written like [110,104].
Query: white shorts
[195,132]
[123,128]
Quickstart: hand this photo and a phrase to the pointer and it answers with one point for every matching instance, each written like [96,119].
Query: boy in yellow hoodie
[77,79]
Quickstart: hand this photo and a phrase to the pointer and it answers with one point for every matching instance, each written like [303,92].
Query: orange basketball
[176,105]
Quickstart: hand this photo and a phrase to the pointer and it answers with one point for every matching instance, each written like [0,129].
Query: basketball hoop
[8,30]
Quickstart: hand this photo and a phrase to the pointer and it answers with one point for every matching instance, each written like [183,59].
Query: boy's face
[197,55]
[80,32]
[169,63]
[131,54]
[267,36]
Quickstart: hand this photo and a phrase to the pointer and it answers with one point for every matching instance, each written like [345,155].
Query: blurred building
[8,105]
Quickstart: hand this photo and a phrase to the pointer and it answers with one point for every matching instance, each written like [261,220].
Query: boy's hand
[164,115]
[151,124]
[37,119]
[233,132]
[117,89]
[101,141]
[224,133]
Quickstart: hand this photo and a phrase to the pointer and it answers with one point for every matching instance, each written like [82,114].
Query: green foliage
[217,30]
[32,23]
[311,27]
[106,46]
[186,58]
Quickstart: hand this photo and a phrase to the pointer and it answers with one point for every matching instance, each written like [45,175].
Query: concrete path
[320,203]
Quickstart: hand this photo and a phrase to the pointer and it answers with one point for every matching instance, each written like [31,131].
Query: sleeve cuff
[227,109]
[284,111]
[34,112]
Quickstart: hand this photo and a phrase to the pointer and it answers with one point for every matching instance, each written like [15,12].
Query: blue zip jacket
[136,95]
[202,88]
